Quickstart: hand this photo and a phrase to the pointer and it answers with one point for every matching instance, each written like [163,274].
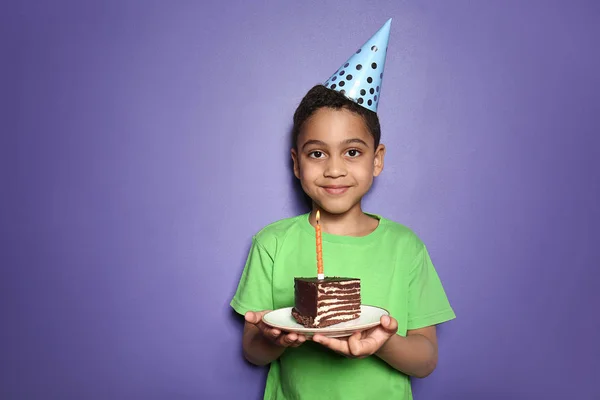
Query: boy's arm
[262,344]
[415,355]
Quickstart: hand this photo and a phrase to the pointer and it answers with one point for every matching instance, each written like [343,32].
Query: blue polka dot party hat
[359,78]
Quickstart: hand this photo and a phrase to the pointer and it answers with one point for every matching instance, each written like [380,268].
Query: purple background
[145,142]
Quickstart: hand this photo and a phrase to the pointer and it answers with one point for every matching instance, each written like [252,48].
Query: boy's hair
[319,97]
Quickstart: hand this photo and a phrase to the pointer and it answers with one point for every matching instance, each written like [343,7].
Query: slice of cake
[324,302]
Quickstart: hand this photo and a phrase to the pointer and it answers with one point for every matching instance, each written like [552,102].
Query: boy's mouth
[335,189]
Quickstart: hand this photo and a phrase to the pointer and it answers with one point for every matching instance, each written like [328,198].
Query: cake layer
[341,296]
[341,293]
[329,300]
[328,280]
[332,319]
[333,287]
[338,307]
[344,315]
[336,318]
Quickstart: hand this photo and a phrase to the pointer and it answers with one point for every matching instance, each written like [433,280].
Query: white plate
[370,316]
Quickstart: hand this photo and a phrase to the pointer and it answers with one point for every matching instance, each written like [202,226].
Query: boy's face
[336,159]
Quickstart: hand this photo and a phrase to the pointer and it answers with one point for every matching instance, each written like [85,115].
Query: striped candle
[320,274]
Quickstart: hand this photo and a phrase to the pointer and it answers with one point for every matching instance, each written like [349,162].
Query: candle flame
[318,216]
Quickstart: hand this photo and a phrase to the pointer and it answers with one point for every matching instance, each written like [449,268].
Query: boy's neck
[354,222]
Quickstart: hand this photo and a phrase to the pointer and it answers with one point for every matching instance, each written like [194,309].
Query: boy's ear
[378,161]
[295,160]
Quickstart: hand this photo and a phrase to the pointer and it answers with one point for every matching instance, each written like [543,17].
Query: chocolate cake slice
[325,302]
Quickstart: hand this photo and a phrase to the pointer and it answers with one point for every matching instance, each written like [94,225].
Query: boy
[336,155]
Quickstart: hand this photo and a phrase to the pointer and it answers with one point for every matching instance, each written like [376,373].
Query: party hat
[359,78]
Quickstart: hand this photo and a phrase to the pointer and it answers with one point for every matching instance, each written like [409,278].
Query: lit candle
[320,274]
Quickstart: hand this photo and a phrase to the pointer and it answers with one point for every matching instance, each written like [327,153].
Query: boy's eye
[316,154]
[353,153]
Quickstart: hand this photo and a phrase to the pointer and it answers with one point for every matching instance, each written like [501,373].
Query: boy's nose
[335,168]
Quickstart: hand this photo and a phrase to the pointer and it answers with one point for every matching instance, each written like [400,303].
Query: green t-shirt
[396,273]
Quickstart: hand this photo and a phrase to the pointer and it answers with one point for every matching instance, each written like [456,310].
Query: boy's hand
[274,335]
[361,344]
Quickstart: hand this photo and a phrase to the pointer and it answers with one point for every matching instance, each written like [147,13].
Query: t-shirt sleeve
[427,301]
[254,291]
